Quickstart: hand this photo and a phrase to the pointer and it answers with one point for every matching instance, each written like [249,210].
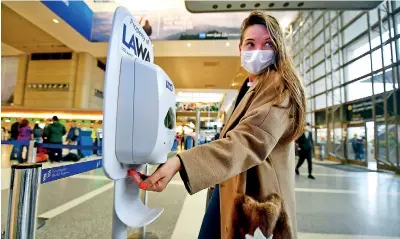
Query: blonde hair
[285,67]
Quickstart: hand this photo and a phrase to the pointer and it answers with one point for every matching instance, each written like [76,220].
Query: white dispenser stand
[139,119]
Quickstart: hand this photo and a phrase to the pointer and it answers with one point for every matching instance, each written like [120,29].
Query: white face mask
[257,61]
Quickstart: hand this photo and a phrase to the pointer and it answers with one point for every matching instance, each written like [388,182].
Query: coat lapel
[238,112]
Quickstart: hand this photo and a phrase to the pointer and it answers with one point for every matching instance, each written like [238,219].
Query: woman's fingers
[152,182]
[135,176]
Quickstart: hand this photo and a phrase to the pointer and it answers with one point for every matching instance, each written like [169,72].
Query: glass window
[337,99]
[336,61]
[320,86]
[356,28]
[381,141]
[336,78]
[359,89]
[338,142]
[318,41]
[332,14]
[309,105]
[328,71]
[358,68]
[329,96]
[378,83]
[320,102]
[310,91]
[347,16]
[373,17]
[392,143]
[307,78]
[376,60]
[328,81]
[387,55]
[318,26]
[319,55]
[357,48]
[309,117]
[319,70]
[396,4]
[327,49]
[316,14]
[326,16]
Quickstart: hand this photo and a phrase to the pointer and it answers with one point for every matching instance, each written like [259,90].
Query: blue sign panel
[52,174]
[76,13]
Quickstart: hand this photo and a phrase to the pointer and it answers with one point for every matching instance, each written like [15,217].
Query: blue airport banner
[56,173]
[76,13]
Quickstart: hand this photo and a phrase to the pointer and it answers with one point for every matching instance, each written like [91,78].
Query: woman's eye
[250,44]
[268,44]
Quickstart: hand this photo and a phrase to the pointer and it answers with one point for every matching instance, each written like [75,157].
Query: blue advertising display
[76,13]
[56,173]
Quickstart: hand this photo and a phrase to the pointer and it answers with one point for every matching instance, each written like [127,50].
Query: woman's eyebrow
[250,39]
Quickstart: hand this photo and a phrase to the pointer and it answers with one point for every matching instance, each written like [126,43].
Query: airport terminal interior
[54,60]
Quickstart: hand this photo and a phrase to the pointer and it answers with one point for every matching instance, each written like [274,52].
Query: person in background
[3,133]
[183,138]
[216,136]
[37,133]
[177,138]
[354,145]
[14,136]
[25,134]
[54,133]
[305,146]
[45,131]
[73,134]
[361,149]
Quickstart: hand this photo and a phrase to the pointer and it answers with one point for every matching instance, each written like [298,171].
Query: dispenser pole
[119,229]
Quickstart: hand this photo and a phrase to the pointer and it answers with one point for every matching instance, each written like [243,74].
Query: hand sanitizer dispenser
[139,118]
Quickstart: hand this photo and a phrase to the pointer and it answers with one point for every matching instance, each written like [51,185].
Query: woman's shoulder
[272,89]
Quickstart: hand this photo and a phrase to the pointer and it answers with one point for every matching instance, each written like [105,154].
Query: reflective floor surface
[338,204]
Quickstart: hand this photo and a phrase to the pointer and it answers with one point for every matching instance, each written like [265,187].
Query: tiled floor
[338,204]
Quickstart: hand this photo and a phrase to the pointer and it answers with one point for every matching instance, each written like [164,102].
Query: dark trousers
[211,225]
[55,154]
[303,155]
[20,153]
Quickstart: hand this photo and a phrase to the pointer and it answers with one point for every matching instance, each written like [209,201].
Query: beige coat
[250,158]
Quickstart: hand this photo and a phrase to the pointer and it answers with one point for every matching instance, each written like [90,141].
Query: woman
[253,161]
[24,134]
[37,133]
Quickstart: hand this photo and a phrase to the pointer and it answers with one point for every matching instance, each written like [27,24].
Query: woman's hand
[159,180]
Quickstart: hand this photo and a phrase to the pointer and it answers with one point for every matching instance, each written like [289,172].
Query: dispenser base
[140,235]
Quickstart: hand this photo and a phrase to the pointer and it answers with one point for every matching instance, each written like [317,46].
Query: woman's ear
[240,50]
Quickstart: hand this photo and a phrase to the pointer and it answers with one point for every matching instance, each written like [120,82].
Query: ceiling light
[233,84]
[152,45]
[227,44]
[55,20]
[188,44]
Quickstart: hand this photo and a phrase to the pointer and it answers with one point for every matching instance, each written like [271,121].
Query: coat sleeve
[245,146]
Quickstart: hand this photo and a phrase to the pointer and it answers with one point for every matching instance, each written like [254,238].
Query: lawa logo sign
[135,41]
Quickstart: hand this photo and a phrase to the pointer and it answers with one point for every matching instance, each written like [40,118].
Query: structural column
[20,86]
[83,81]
